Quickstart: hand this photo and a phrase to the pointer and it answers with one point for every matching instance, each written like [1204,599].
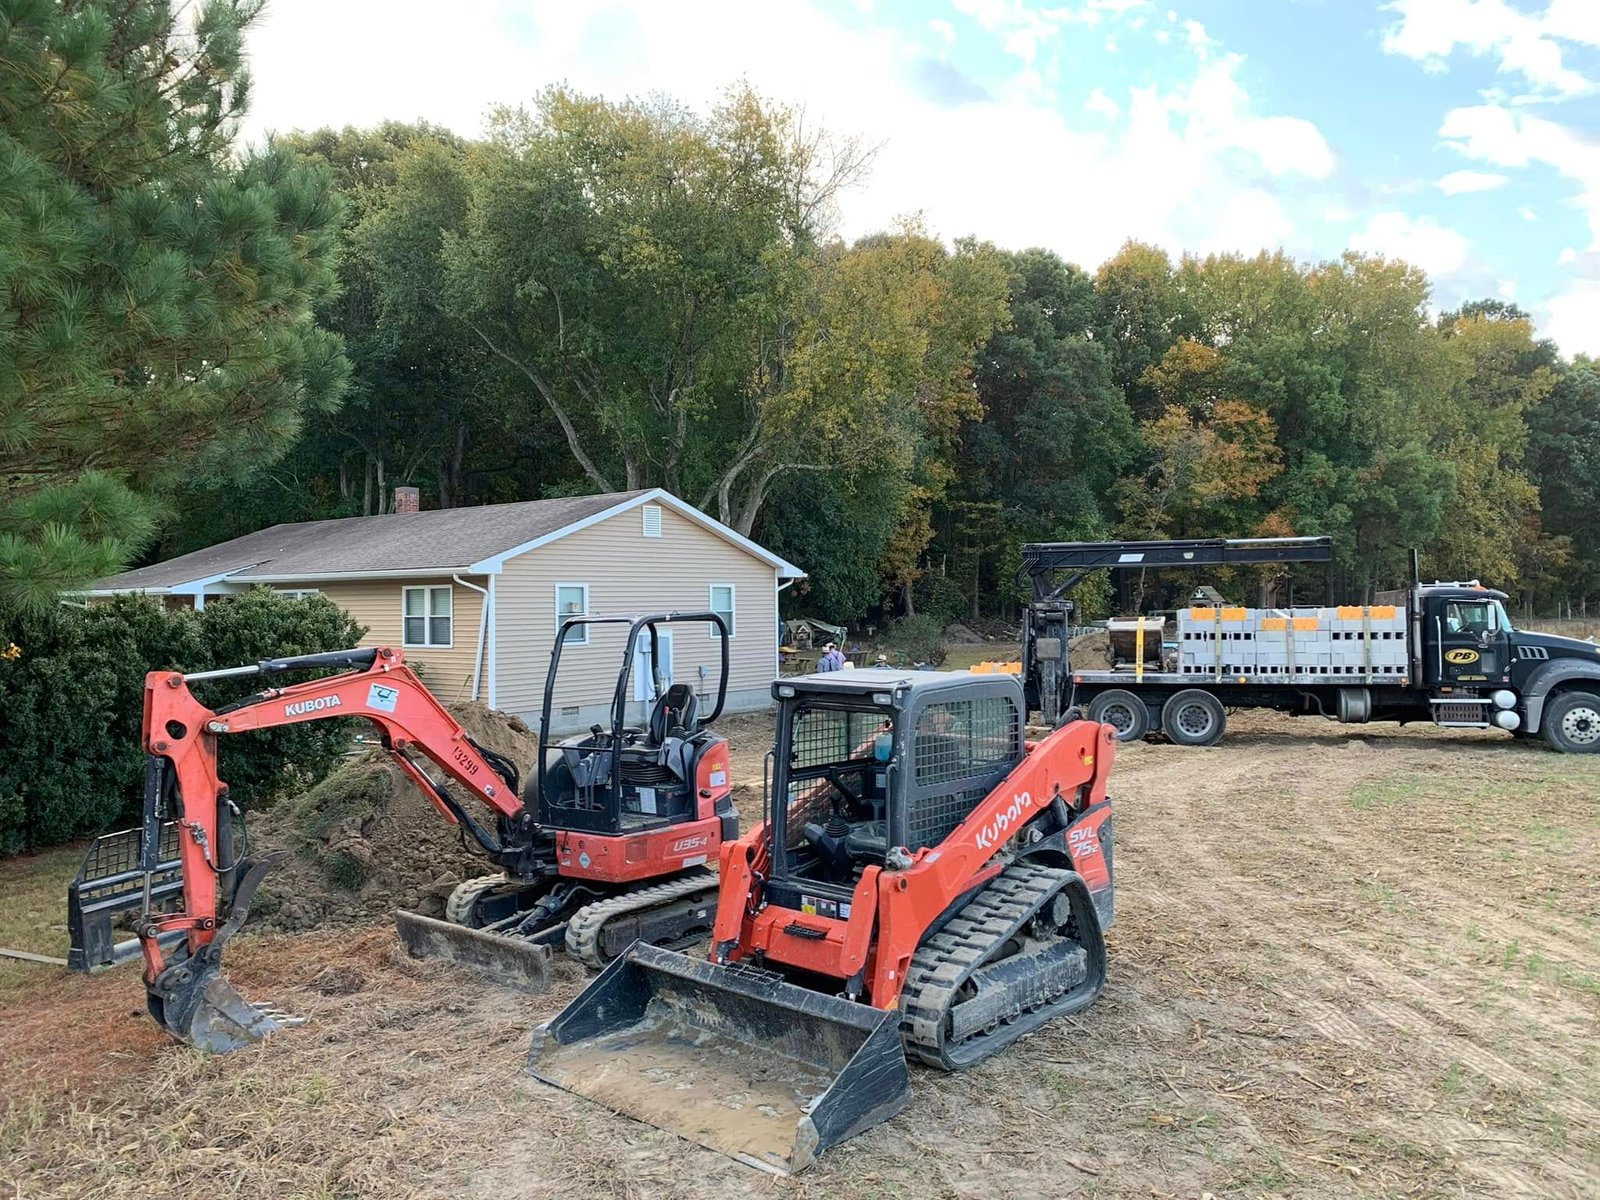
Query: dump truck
[608,844]
[1443,652]
[925,883]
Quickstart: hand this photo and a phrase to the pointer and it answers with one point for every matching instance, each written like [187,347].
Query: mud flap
[513,962]
[731,1057]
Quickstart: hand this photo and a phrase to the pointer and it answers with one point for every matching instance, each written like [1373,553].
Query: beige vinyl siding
[628,575]
[376,603]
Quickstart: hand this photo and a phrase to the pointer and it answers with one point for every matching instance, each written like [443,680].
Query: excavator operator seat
[676,715]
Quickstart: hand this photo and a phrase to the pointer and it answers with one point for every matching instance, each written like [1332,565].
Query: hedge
[72,697]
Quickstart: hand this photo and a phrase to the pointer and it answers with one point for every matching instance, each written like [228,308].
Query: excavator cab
[620,779]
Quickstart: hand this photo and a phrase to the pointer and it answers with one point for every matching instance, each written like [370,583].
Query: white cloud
[1505,137]
[1099,102]
[1527,213]
[1185,163]
[1572,318]
[1199,41]
[1507,289]
[1420,241]
[1567,257]
[944,29]
[1459,182]
[1524,44]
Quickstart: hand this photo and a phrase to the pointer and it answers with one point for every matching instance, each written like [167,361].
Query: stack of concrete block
[1302,645]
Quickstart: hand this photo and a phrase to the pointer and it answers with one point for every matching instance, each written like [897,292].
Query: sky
[1460,135]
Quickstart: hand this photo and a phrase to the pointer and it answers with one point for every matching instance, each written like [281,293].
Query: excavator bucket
[514,962]
[196,1005]
[732,1057]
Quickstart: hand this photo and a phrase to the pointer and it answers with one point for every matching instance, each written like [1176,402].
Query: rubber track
[943,962]
[458,908]
[587,924]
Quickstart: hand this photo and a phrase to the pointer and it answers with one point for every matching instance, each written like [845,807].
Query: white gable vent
[652,520]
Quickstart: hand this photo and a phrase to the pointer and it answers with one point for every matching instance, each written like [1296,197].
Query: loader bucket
[513,962]
[728,1056]
[196,1005]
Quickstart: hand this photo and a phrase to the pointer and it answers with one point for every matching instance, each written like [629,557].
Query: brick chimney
[407,500]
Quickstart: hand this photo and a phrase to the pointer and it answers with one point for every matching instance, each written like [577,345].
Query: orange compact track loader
[608,845]
[925,883]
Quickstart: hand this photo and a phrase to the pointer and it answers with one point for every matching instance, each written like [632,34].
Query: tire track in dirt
[1423,1018]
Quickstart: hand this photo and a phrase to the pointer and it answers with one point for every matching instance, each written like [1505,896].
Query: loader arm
[1060,782]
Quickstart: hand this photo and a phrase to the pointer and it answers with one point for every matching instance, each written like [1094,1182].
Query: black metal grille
[830,735]
[825,737]
[932,818]
[958,739]
[118,853]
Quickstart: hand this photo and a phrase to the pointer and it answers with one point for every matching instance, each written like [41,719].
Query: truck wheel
[1123,711]
[1571,723]
[1194,718]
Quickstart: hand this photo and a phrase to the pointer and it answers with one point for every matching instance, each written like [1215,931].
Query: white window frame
[427,590]
[733,609]
[647,511]
[302,593]
[580,635]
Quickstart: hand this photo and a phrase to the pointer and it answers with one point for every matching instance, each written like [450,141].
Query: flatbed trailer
[1443,653]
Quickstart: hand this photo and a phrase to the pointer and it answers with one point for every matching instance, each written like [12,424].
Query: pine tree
[158,292]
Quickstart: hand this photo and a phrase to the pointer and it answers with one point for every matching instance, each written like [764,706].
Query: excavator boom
[178,867]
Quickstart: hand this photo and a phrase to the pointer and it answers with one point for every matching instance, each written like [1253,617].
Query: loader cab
[1467,635]
[622,779]
[874,763]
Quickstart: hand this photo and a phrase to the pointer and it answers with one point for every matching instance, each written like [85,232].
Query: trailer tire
[1571,722]
[1194,718]
[1123,711]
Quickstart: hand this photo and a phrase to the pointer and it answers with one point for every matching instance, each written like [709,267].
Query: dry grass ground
[1342,966]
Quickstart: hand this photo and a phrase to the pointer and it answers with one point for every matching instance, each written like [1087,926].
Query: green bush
[940,597]
[918,639]
[73,696]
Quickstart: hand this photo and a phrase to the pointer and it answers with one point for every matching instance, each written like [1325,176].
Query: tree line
[599,294]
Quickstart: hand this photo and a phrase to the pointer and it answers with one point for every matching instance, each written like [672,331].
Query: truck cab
[1480,668]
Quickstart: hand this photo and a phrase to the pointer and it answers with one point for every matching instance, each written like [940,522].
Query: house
[473,594]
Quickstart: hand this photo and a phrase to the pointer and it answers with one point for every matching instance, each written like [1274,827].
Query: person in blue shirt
[832,658]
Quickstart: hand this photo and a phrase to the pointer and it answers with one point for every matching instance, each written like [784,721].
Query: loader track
[587,927]
[963,1000]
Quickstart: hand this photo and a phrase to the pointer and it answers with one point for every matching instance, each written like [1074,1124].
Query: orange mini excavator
[926,883]
[608,845]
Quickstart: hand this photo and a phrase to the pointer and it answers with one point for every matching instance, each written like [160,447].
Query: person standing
[832,658]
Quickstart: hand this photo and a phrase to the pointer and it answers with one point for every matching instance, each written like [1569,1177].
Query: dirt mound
[366,840]
[958,634]
[1090,651]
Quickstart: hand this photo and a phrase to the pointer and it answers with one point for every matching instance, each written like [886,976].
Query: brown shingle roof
[435,540]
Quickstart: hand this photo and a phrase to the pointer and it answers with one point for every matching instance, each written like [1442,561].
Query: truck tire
[1571,722]
[1194,718]
[1123,711]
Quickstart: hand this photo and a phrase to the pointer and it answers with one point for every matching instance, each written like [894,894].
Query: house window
[652,520]
[722,605]
[296,593]
[572,600]
[427,616]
